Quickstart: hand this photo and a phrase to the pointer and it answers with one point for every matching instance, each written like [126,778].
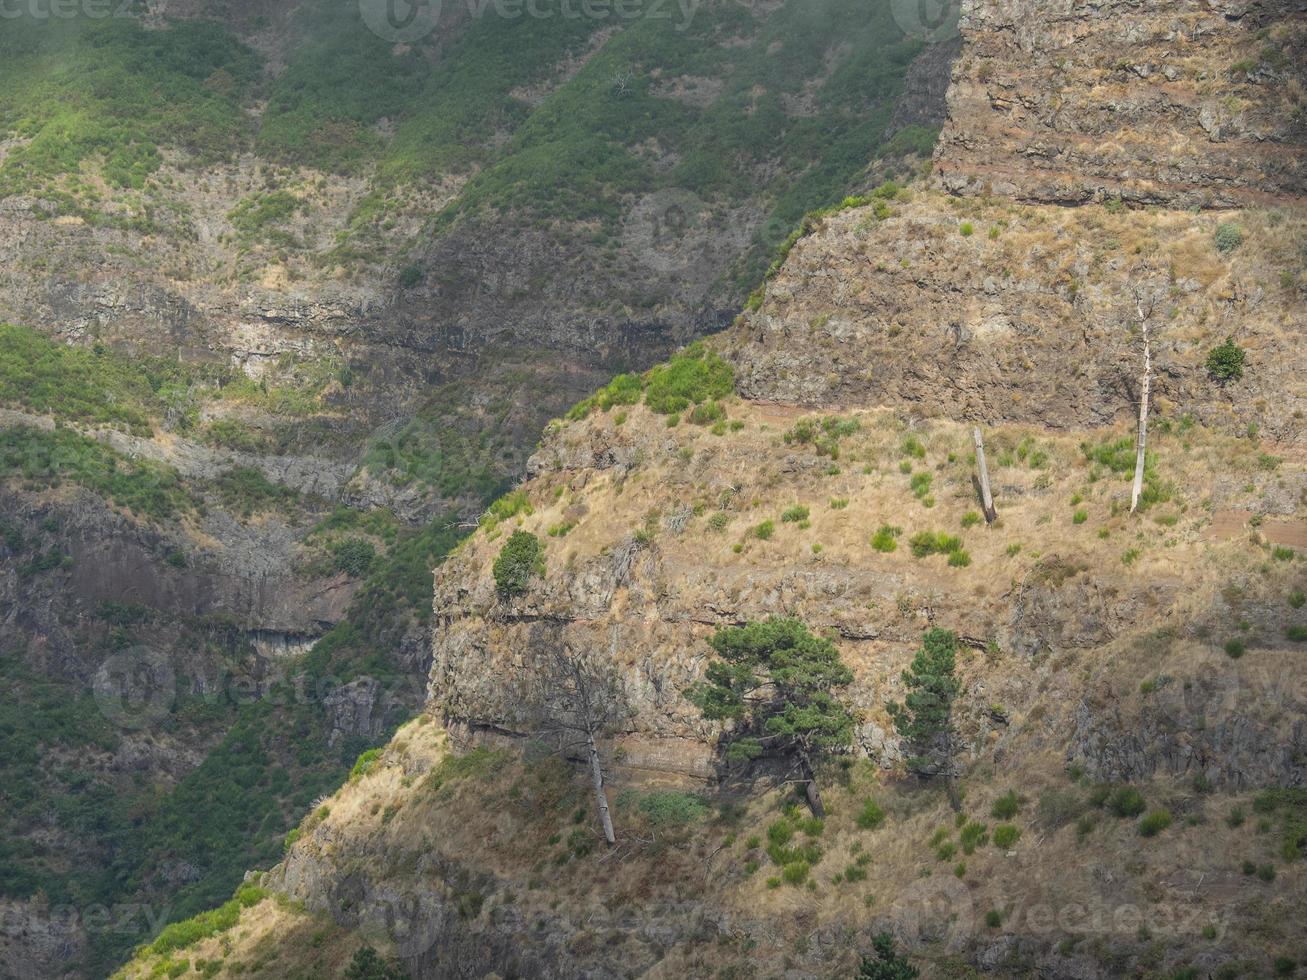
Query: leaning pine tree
[925,718]
[780,685]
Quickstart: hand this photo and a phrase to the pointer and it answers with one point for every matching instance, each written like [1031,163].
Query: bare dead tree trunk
[589,725]
[986,497]
[601,797]
[1141,444]
[810,787]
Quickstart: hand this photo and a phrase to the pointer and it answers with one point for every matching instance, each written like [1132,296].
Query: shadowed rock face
[985,298]
[1182,102]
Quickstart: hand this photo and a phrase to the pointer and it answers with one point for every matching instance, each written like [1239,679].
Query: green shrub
[709,413]
[1228,237]
[934,543]
[1006,835]
[971,518]
[886,539]
[781,832]
[1126,801]
[871,815]
[672,809]
[1225,362]
[959,559]
[972,836]
[913,447]
[355,557]
[365,763]
[521,558]
[795,514]
[1007,806]
[1080,516]
[693,376]
[796,872]
[993,918]
[1296,634]
[51,458]
[967,229]
[180,935]
[1234,649]
[765,530]
[1154,823]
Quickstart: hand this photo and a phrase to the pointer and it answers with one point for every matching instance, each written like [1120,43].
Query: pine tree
[925,719]
[779,683]
[887,965]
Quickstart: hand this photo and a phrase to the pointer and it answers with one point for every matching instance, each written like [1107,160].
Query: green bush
[1228,237]
[871,815]
[1007,806]
[709,413]
[934,543]
[913,447]
[1006,835]
[1126,801]
[765,530]
[672,809]
[993,918]
[1154,823]
[796,872]
[1234,649]
[886,539]
[355,557]
[365,763]
[180,935]
[47,459]
[521,558]
[693,376]
[795,514]
[973,835]
[1225,362]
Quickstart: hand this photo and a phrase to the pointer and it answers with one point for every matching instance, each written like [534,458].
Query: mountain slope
[292,302]
[1131,716]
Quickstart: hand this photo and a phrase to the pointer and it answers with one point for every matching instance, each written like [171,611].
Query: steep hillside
[1096,657]
[293,300]
[1131,716]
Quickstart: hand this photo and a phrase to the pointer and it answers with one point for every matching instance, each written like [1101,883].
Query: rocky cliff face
[1094,180]
[1185,104]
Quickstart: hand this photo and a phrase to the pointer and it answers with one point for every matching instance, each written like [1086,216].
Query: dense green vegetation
[1225,362]
[84,87]
[694,376]
[521,559]
[925,717]
[798,103]
[93,386]
[447,446]
[782,687]
[41,459]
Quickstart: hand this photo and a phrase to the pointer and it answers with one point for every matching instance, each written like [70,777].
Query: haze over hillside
[285,303]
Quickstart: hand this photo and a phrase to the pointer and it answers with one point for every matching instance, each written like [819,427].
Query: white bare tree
[1145,304]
